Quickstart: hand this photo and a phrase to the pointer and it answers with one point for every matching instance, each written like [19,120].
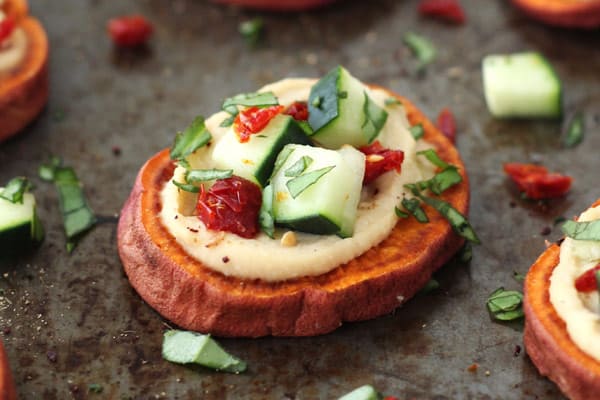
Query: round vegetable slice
[198,298]
[568,13]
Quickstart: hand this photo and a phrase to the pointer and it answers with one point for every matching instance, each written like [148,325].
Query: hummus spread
[580,311]
[12,49]
[273,259]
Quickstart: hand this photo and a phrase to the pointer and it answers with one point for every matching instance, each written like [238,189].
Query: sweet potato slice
[547,341]
[24,90]
[567,13]
[16,9]
[198,298]
[7,386]
[278,5]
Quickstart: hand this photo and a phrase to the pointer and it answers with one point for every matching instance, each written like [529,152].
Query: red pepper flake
[587,281]
[380,160]
[225,259]
[116,150]
[447,124]
[517,350]
[7,26]
[129,30]
[446,10]
[192,230]
[298,110]
[253,120]
[473,368]
[537,182]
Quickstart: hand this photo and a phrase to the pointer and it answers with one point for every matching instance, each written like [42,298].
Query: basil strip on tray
[457,221]
[421,47]
[15,189]
[505,305]
[575,131]
[191,139]
[588,230]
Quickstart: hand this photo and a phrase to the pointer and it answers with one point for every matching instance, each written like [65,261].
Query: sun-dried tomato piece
[231,205]
[253,120]
[7,26]
[380,160]
[298,110]
[447,10]
[130,30]
[447,124]
[586,282]
[537,182]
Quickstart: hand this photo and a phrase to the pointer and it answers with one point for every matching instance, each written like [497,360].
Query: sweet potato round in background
[566,13]
[278,5]
[546,339]
[24,91]
[197,298]
[7,386]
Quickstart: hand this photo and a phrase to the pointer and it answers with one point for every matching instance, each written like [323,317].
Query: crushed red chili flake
[129,30]
[298,110]
[447,124]
[116,150]
[7,330]
[536,182]
[7,26]
[380,160]
[225,259]
[446,10]
[253,120]
[586,282]
[517,350]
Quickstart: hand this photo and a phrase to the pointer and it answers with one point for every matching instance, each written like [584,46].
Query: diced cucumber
[366,392]
[184,347]
[20,227]
[341,112]
[521,85]
[323,198]
[255,158]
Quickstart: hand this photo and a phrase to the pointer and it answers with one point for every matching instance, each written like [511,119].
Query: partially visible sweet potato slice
[197,298]
[567,13]
[24,90]
[7,386]
[16,9]
[547,341]
[278,5]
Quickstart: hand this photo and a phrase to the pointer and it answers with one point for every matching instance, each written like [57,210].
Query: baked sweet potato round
[198,298]
[278,5]
[7,386]
[546,339]
[567,13]
[24,89]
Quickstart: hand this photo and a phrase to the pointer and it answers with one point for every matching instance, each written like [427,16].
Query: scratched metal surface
[69,321]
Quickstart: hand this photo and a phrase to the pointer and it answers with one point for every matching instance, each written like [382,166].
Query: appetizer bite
[23,67]
[566,13]
[294,209]
[562,309]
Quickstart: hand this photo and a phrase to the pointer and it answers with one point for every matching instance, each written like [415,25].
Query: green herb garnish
[400,213]
[421,47]
[185,347]
[413,206]
[519,277]
[252,30]
[186,187]
[193,137]
[575,131]
[505,305]
[588,230]
[299,184]
[15,189]
[466,253]
[443,180]
[375,118]
[203,175]
[95,388]
[457,221]
[392,101]
[433,157]
[430,286]
[417,131]
[297,168]
[258,99]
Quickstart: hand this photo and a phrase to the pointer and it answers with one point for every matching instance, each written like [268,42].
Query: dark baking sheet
[69,321]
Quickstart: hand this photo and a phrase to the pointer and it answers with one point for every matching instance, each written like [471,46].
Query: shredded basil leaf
[265,215]
[15,189]
[519,277]
[457,221]
[417,131]
[433,157]
[575,131]
[375,118]
[298,167]
[186,187]
[400,213]
[588,230]
[308,130]
[466,253]
[282,158]
[299,184]
[193,137]
[505,305]
[413,206]
[46,171]
[392,101]
[441,181]
[95,388]
[430,286]
[228,121]
[421,47]
[203,175]
[261,99]
[252,30]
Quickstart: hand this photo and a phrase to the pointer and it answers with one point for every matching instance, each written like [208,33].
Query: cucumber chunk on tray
[20,227]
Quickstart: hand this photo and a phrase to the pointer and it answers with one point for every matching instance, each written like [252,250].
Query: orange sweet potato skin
[7,387]
[278,5]
[546,339]
[24,91]
[197,298]
[566,13]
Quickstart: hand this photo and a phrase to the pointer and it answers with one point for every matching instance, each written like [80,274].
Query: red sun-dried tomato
[253,120]
[7,26]
[537,182]
[231,205]
[380,160]
[130,30]
[447,124]
[447,10]
[298,110]
[586,282]
[390,398]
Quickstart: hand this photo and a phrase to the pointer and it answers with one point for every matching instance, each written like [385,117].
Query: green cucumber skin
[507,98]
[318,224]
[324,92]
[20,227]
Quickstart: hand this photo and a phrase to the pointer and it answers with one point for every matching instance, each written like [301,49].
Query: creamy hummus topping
[580,311]
[12,49]
[268,259]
